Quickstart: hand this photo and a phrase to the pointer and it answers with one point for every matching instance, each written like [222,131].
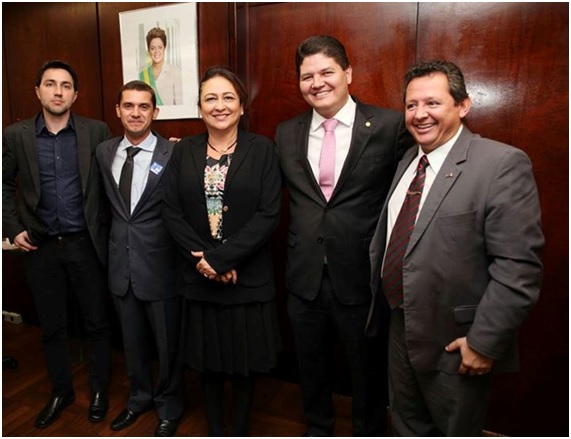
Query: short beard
[58,112]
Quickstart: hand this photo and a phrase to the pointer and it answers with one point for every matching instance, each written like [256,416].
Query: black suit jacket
[20,159]
[342,228]
[140,248]
[252,201]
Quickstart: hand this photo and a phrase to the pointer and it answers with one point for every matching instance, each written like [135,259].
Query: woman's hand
[229,276]
[203,267]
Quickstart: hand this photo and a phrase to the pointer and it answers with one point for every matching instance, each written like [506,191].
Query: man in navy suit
[142,260]
[471,269]
[60,221]
[330,229]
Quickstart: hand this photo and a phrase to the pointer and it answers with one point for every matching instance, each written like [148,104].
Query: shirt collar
[41,124]
[346,115]
[147,145]
[436,158]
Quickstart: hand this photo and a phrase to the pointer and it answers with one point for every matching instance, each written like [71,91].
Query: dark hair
[325,44]
[139,86]
[456,84]
[57,64]
[156,32]
[213,72]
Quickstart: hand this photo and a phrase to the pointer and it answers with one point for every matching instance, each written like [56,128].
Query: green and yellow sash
[146,75]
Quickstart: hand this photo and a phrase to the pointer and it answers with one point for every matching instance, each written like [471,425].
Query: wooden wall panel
[32,34]
[6,107]
[515,60]
[36,32]
[213,49]
[87,36]
[379,39]
[379,54]
[514,55]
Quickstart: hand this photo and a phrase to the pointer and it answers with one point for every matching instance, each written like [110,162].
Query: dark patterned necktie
[400,236]
[127,176]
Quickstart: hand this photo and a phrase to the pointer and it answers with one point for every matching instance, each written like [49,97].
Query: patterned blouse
[214,180]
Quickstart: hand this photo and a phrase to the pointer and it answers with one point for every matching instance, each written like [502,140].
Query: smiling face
[137,113]
[324,84]
[56,92]
[431,114]
[220,105]
[157,50]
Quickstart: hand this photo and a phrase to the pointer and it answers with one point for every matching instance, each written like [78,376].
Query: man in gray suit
[60,222]
[462,280]
[142,260]
[334,207]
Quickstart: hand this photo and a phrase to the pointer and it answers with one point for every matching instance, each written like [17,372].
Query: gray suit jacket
[140,249]
[342,228]
[472,267]
[20,159]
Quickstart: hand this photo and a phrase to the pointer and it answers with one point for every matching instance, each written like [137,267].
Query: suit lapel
[301,145]
[402,166]
[31,149]
[158,165]
[198,151]
[83,151]
[361,133]
[240,152]
[106,168]
[444,181]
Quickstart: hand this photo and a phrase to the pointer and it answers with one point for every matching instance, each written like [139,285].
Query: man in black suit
[333,213]
[142,260]
[60,222]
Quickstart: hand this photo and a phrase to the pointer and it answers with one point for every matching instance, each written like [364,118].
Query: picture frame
[171,68]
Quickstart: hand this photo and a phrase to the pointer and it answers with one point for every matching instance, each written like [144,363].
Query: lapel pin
[449,175]
[367,124]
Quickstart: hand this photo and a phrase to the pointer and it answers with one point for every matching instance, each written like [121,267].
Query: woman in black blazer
[222,203]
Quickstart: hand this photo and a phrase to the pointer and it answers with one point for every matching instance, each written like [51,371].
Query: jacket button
[320,240]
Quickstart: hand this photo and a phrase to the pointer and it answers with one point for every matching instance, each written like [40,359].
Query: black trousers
[146,325]
[316,325]
[58,267]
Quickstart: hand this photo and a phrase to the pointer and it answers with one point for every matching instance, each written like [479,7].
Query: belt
[66,237]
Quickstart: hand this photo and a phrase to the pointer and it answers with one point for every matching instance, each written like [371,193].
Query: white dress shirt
[435,159]
[141,165]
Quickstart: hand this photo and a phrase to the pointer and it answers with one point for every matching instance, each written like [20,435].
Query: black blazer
[20,158]
[252,201]
[140,248]
[342,228]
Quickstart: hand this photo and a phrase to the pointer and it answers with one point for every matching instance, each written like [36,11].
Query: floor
[277,410]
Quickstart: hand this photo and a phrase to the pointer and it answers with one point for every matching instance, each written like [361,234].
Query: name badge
[156,168]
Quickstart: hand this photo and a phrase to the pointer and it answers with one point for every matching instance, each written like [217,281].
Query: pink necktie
[327,159]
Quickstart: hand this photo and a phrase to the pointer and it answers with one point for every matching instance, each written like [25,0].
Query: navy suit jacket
[140,248]
[342,227]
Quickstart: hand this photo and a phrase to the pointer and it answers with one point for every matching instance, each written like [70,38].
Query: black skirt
[232,339]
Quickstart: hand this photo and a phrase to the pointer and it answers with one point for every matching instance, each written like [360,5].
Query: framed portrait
[159,46]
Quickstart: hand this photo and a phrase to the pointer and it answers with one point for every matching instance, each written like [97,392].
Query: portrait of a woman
[164,77]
